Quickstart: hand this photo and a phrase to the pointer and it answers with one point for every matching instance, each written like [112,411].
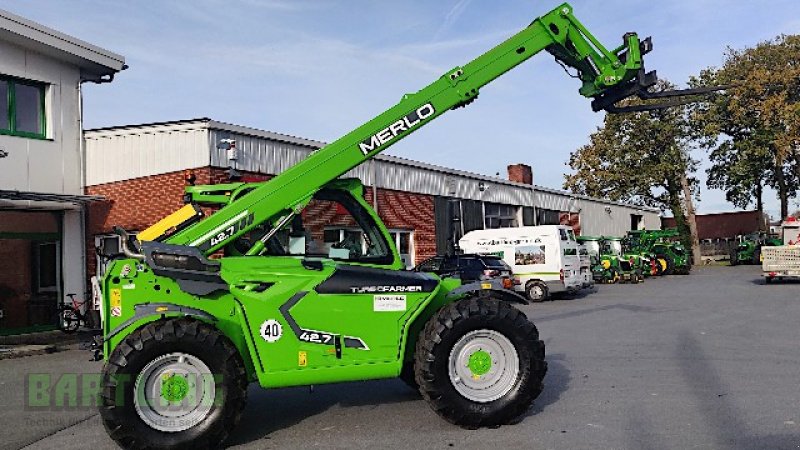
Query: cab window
[335,226]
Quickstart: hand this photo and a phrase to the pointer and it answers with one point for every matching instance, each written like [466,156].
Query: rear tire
[140,408]
[734,257]
[499,350]
[657,268]
[668,265]
[756,256]
[537,291]
[613,276]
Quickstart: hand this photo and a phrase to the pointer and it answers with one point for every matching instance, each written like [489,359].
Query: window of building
[547,217]
[637,222]
[404,242]
[22,108]
[500,216]
[46,262]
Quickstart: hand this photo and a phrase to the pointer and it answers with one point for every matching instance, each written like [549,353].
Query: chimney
[520,173]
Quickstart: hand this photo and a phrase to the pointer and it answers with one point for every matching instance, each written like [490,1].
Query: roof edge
[314,144]
[47,36]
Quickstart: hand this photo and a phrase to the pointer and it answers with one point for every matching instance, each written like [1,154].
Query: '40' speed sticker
[271,330]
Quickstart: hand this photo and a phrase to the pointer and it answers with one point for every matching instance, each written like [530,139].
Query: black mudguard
[485,287]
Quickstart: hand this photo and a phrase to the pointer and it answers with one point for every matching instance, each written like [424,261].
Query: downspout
[372,164]
[83,208]
[83,165]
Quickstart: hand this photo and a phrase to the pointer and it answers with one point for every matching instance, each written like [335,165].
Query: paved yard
[710,360]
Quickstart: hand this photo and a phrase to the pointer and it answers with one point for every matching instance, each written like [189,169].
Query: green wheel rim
[174,392]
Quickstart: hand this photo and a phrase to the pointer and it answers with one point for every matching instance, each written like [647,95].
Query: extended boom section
[558,32]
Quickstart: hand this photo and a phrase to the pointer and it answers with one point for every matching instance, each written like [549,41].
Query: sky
[318,69]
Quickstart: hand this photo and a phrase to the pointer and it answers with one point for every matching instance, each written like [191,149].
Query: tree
[642,158]
[753,129]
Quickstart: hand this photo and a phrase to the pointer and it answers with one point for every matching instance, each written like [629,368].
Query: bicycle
[70,317]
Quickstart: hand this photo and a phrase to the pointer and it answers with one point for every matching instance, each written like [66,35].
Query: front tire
[175,383]
[480,363]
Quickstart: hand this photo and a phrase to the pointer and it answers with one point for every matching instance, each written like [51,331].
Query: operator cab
[333,225]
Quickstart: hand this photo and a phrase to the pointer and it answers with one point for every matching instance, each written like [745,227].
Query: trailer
[783,262]
[780,262]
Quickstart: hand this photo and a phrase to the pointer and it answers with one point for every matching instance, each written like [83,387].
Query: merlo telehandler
[258,291]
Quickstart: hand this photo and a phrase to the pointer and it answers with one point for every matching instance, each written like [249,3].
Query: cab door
[328,285]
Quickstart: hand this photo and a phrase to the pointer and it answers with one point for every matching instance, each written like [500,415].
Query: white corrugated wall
[116,155]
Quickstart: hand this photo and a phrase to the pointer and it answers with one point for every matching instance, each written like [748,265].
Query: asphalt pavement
[709,360]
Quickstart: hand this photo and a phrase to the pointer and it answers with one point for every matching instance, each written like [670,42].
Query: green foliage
[752,130]
[639,158]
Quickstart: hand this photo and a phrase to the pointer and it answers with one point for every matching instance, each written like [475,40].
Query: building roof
[314,144]
[94,62]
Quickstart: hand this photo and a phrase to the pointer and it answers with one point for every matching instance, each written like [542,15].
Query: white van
[544,258]
[586,266]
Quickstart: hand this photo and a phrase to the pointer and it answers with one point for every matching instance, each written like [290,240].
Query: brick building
[724,225]
[141,172]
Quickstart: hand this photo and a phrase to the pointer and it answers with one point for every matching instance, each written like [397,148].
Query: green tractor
[264,290]
[670,256]
[601,273]
[646,262]
[609,264]
[748,251]
[627,266]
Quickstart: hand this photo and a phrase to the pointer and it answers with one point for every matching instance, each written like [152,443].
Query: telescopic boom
[606,76]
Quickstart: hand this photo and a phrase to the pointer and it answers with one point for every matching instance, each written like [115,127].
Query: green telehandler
[199,307]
